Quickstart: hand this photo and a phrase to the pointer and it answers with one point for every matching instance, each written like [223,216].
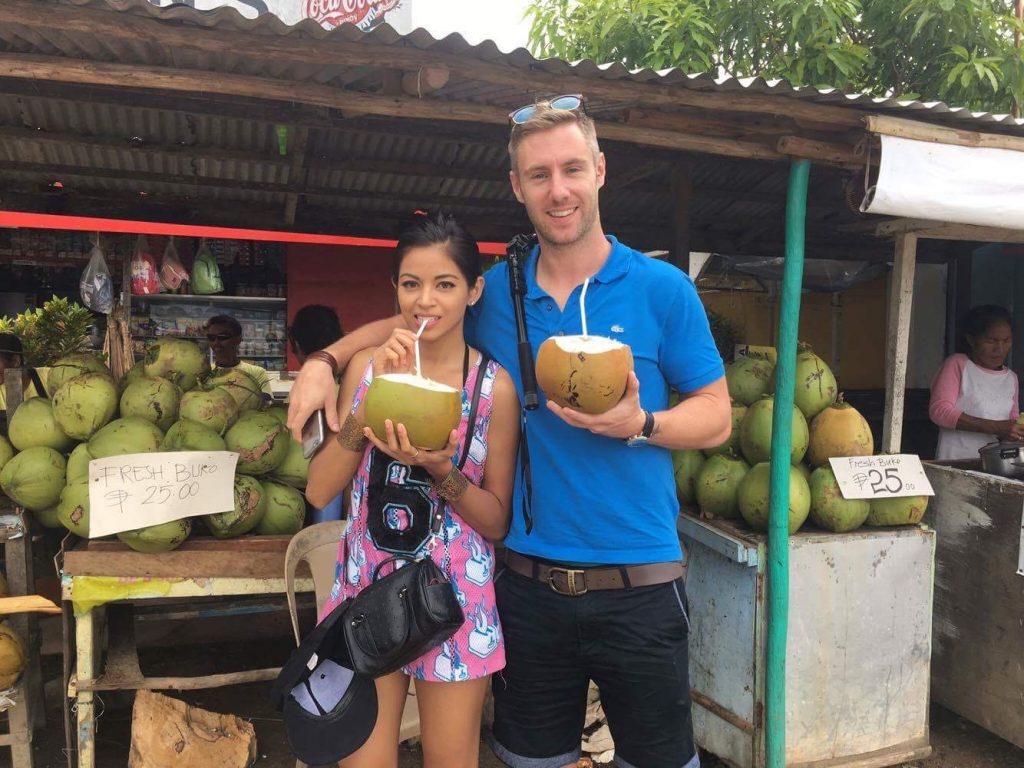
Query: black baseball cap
[329,709]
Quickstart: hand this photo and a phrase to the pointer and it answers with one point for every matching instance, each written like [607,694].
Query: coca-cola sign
[365,14]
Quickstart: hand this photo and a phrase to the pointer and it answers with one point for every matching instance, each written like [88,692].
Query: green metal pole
[782,441]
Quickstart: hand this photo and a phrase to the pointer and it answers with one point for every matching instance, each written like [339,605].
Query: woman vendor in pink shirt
[975,396]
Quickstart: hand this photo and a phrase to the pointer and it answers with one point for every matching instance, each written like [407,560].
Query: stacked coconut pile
[169,401]
[732,480]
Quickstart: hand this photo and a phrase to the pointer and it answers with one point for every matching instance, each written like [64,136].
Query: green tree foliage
[958,51]
[52,331]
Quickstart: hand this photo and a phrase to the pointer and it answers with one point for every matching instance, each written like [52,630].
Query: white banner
[140,489]
[945,182]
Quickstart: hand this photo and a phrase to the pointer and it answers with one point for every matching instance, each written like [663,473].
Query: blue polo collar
[615,267]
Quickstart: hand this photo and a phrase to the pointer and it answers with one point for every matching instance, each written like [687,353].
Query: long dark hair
[441,230]
[978,320]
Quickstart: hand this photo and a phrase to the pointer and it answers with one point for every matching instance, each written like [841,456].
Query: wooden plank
[249,558]
[181,683]
[901,296]
[941,230]
[830,153]
[937,134]
[297,172]
[891,756]
[65,70]
[315,52]
[27,604]
[979,598]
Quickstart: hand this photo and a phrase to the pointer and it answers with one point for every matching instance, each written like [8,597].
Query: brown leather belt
[578,581]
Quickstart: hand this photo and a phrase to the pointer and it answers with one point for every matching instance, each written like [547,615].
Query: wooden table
[98,573]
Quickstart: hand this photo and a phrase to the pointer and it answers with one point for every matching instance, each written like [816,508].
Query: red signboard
[365,14]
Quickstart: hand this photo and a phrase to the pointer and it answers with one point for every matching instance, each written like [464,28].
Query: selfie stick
[518,249]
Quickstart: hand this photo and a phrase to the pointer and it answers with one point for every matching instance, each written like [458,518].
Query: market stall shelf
[104,579]
[859,644]
[979,597]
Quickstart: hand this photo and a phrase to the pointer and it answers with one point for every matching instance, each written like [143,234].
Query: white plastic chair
[317,545]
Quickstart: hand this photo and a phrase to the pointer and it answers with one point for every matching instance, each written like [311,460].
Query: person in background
[974,395]
[314,327]
[225,336]
[12,355]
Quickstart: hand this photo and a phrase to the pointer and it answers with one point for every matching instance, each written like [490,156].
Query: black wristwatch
[645,432]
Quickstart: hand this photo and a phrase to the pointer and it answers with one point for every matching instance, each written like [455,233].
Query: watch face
[636,441]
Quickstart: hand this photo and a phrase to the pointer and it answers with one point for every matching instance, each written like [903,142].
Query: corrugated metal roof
[227,17]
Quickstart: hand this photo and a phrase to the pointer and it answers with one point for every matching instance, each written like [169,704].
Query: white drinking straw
[583,307]
[417,346]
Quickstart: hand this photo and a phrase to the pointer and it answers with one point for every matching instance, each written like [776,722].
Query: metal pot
[1003,458]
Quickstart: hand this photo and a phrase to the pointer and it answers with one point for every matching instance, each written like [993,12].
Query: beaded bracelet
[325,357]
[453,486]
[351,436]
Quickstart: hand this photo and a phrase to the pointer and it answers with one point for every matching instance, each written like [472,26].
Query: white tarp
[946,182]
[365,14]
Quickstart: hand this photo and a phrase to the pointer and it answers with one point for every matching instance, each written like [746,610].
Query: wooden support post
[901,291]
[89,651]
[682,193]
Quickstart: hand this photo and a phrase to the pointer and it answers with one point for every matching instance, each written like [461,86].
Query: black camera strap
[518,250]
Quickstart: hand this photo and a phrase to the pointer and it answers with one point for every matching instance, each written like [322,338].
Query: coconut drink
[586,373]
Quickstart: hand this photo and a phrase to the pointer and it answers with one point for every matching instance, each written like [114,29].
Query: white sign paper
[881,477]
[140,489]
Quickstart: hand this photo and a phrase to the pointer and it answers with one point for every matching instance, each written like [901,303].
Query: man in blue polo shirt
[594,590]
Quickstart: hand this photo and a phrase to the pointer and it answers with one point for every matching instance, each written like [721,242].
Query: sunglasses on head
[219,336]
[568,103]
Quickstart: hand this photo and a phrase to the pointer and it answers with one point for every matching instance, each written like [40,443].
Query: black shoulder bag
[518,249]
[399,617]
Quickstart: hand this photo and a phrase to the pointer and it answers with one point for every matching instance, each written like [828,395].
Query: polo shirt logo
[618,329]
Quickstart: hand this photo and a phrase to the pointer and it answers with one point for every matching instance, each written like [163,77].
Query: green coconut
[731,447]
[242,387]
[903,510]
[294,470]
[179,360]
[33,424]
[84,404]
[188,435]
[132,434]
[829,510]
[162,537]
[214,408]
[136,372]
[718,483]
[153,399]
[756,433]
[429,410]
[748,378]
[278,412]
[285,511]
[250,505]
[260,441]
[48,518]
[686,465]
[815,384]
[33,478]
[753,495]
[70,366]
[78,464]
[73,510]
[6,451]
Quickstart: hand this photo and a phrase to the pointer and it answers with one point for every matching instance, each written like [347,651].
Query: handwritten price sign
[880,477]
[140,489]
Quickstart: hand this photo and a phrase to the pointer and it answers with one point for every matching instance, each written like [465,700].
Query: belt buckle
[570,581]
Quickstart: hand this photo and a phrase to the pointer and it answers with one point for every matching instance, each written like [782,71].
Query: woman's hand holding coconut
[438,463]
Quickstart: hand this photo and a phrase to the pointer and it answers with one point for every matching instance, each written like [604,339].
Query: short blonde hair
[544,118]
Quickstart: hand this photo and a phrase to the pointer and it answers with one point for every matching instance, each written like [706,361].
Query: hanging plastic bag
[205,272]
[172,271]
[145,275]
[96,285]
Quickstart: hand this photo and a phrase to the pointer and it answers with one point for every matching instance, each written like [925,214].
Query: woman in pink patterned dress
[395,487]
